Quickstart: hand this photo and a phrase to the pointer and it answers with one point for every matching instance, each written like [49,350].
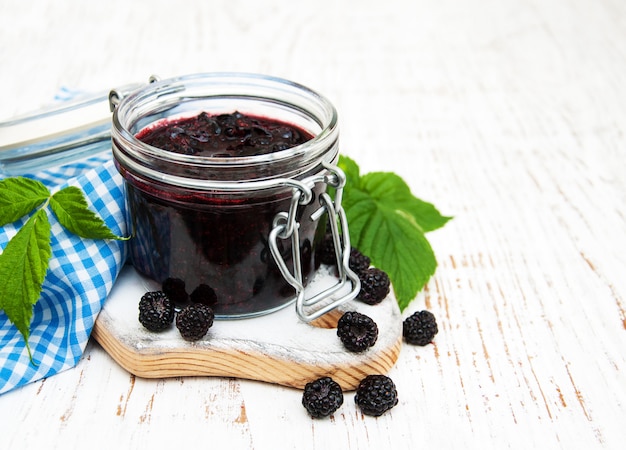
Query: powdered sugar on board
[276,348]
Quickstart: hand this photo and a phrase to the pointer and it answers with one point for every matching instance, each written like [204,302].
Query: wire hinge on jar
[116,95]
[286,226]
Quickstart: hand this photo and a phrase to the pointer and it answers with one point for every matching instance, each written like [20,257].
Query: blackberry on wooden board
[174,288]
[357,331]
[203,294]
[375,286]
[358,262]
[156,311]
[194,321]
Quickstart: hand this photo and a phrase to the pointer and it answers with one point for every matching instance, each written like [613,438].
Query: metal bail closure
[286,226]
[116,95]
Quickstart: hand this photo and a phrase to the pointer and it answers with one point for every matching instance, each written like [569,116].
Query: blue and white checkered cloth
[80,276]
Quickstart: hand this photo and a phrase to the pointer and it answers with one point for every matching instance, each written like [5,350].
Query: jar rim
[130,103]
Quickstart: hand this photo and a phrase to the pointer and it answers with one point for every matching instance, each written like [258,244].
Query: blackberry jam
[221,170]
[224,135]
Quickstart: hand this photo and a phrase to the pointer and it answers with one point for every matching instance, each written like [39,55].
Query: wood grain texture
[276,348]
[509,115]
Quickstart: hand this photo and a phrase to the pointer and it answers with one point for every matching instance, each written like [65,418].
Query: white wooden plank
[508,115]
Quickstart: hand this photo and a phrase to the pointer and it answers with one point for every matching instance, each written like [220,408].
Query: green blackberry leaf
[71,209]
[390,188]
[25,259]
[351,169]
[23,267]
[388,224]
[19,196]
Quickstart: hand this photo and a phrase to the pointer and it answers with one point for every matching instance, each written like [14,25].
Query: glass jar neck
[222,93]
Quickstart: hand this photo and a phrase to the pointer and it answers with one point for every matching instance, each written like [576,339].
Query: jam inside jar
[210,163]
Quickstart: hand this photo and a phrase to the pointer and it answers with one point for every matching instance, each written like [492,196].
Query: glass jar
[246,226]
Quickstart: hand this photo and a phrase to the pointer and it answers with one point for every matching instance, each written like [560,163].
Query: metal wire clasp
[286,226]
[116,95]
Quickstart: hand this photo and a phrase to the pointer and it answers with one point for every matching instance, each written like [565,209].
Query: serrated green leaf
[23,266]
[388,223]
[350,168]
[71,209]
[19,196]
[391,189]
[393,243]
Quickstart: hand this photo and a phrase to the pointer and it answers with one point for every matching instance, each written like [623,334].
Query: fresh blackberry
[376,395]
[374,286]
[194,320]
[358,262]
[420,328]
[357,331]
[156,311]
[174,288]
[204,294]
[322,397]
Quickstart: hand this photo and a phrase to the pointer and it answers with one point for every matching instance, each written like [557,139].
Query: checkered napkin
[79,278]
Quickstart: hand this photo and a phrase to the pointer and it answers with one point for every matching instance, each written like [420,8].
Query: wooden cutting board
[276,348]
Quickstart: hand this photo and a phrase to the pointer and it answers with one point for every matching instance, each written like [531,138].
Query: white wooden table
[508,114]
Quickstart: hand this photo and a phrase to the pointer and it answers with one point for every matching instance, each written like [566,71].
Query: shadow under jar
[211,162]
